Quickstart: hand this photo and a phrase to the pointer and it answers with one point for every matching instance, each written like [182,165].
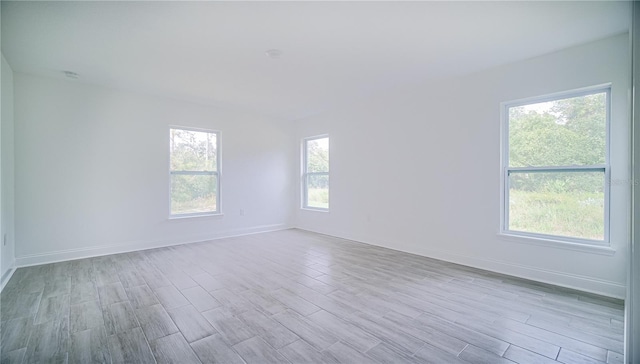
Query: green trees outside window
[316,173]
[557,166]
[194,172]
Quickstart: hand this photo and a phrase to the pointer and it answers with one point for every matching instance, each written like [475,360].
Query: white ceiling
[334,52]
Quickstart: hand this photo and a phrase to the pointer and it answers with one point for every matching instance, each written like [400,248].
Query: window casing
[315,173]
[555,166]
[194,169]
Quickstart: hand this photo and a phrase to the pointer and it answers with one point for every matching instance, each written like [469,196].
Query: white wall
[419,170]
[7,248]
[92,171]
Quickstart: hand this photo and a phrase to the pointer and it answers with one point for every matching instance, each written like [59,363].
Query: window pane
[193,150]
[562,132]
[318,191]
[562,203]
[193,193]
[318,155]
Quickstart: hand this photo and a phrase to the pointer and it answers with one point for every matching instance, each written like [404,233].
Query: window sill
[312,209]
[553,243]
[192,216]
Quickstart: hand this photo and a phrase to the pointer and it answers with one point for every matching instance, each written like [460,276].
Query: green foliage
[193,193]
[193,151]
[318,162]
[318,191]
[205,204]
[567,132]
[318,155]
[318,197]
[579,215]
[558,182]
[320,181]
[562,133]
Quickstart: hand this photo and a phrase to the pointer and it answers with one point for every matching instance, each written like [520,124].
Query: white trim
[189,128]
[80,253]
[315,209]
[505,171]
[583,91]
[305,174]
[197,214]
[561,279]
[217,173]
[504,160]
[556,243]
[6,277]
[319,136]
[531,237]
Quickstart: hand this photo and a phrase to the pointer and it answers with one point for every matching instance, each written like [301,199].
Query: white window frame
[216,173]
[306,174]
[506,170]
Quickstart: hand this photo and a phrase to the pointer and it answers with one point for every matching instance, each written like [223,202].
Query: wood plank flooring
[296,297]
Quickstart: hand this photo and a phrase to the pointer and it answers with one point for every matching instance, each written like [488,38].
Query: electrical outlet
[241,212]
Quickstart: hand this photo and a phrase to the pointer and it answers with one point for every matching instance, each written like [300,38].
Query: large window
[556,167]
[194,169]
[316,173]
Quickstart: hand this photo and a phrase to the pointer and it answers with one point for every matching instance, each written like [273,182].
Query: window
[195,172]
[556,167]
[316,173]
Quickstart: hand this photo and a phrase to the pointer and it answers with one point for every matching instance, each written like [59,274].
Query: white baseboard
[73,254]
[562,279]
[7,275]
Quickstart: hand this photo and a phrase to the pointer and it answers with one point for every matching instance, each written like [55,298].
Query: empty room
[320,182]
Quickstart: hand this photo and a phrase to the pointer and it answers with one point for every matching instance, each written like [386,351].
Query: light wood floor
[294,296]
